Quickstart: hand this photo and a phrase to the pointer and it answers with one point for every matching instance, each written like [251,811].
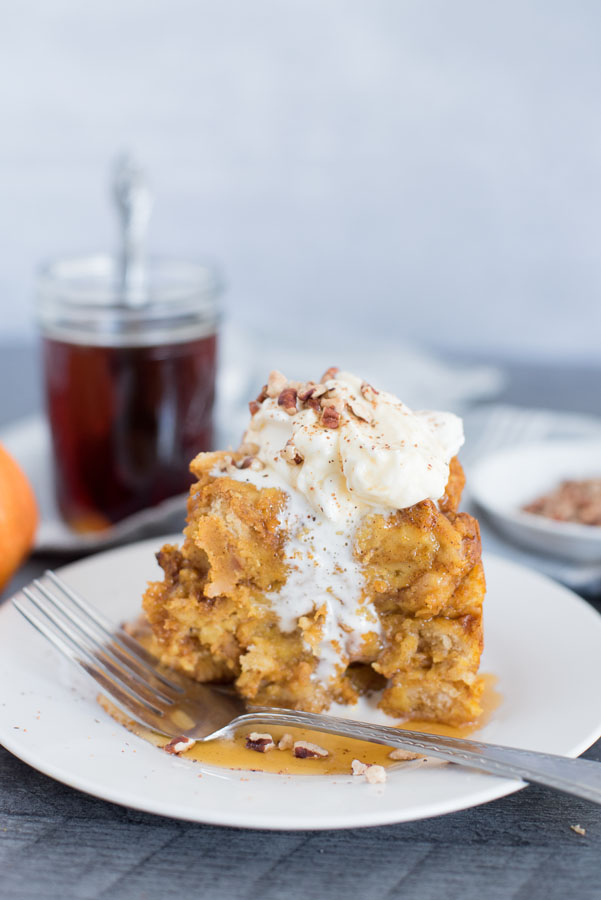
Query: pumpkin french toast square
[326,559]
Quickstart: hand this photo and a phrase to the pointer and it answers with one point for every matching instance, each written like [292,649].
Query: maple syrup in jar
[130,385]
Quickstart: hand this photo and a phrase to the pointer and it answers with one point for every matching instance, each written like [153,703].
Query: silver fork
[176,706]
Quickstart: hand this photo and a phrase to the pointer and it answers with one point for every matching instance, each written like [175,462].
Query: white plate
[503,482]
[542,641]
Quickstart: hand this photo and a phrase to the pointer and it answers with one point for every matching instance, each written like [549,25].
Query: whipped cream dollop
[352,449]
[339,450]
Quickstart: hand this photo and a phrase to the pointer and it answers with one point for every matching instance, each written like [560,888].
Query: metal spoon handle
[134,204]
[581,777]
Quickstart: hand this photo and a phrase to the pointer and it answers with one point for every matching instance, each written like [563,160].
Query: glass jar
[129,387]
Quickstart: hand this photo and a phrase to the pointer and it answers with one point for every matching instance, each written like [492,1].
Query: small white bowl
[504,481]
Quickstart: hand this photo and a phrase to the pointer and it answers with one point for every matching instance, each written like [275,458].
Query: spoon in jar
[134,203]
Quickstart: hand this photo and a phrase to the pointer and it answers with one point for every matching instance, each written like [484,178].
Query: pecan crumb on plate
[402,754]
[179,745]
[373,773]
[306,750]
[259,742]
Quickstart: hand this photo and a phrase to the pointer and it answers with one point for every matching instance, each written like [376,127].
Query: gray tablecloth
[56,842]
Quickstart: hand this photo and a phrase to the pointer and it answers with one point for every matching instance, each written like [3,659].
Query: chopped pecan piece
[291,454]
[332,372]
[276,383]
[572,501]
[360,410]
[306,390]
[374,774]
[330,417]
[309,390]
[369,392]
[179,744]
[287,400]
[334,400]
[249,462]
[255,405]
[259,742]
[402,754]
[286,742]
[306,750]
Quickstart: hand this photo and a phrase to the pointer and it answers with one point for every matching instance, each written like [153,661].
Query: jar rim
[168,278]
[79,298]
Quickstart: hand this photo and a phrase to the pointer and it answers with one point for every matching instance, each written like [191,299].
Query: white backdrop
[431,170]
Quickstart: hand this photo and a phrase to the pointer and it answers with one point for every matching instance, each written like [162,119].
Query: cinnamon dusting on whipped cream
[362,450]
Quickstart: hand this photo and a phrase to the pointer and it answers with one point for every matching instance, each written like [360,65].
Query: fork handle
[581,777]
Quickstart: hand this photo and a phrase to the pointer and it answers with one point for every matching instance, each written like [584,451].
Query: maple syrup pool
[232,753]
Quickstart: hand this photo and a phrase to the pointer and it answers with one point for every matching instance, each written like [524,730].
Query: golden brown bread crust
[449,502]
[210,616]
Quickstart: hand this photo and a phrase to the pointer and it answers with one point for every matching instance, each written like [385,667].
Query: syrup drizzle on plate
[232,753]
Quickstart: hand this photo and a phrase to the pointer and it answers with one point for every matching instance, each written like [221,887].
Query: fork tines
[119,663]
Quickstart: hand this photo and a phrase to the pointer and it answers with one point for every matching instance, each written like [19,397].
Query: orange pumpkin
[18,516]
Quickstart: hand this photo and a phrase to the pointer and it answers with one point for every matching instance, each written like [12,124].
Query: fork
[176,706]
